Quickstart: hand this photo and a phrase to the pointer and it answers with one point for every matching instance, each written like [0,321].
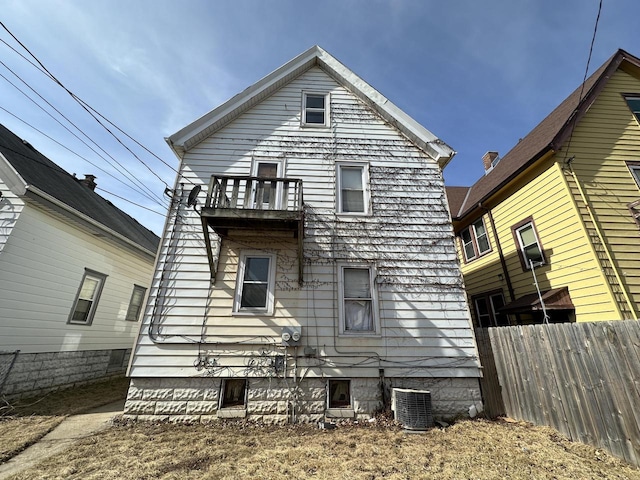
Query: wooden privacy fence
[582,379]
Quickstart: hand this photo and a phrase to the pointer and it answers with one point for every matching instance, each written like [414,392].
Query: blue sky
[478,74]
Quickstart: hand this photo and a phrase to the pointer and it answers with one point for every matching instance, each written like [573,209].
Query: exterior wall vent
[412,408]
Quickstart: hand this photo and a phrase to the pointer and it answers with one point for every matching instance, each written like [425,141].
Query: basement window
[315,109]
[339,394]
[234,393]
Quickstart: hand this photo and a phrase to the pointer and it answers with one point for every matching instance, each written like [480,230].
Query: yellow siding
[606,137]
[542,195]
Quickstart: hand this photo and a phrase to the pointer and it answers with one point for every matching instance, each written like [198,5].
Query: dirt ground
[478,449]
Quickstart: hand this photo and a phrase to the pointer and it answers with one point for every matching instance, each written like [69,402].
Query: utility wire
[129,201]
[106,172]
[131,177]
[90,110]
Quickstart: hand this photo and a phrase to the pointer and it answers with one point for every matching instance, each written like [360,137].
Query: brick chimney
[89,181]
[488,159]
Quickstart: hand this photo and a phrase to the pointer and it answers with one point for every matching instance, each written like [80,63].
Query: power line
[132,203]
[131,177]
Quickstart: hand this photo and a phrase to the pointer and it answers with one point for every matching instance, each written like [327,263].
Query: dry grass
[468,450]
[25,421]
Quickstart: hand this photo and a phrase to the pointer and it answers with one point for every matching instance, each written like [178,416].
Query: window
[358,306]
[486,308]
[475,241]
[315,109]
[233,393]
[116,360]
[352,180]
[633,101]
[135,305]
[634,168]
[339,394]
[529,248]
[267,195]
[255,283]
[84,307]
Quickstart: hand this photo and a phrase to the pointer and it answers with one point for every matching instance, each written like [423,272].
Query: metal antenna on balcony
[192,201]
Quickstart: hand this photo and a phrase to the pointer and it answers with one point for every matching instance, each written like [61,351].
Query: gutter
[87,219]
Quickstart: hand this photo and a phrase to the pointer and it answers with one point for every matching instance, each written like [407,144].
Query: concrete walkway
[64,435]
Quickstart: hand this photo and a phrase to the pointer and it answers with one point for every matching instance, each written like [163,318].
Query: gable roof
[548,136]
[192,134]
[36,170]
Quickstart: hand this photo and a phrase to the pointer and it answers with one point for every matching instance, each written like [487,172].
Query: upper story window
[267,194]
[634,168]
[633,101]
[529,248]
[352,195]
[475,241]
[86,303]
[135,305]
[358,300]
[255,284]
[315,109]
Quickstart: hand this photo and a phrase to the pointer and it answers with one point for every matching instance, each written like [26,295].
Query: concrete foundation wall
[38,373]
[277,400]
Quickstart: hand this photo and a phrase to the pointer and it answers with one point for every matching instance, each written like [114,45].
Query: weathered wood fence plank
[583,379]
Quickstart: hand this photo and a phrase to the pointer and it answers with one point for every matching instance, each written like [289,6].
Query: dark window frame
[332,385]
[235,401]
[493,313]
[473,235]
[515,229]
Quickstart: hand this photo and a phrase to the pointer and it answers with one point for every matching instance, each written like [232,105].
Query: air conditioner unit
[412,408]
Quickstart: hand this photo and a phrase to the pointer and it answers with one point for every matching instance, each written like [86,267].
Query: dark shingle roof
[40,172]
[548,135]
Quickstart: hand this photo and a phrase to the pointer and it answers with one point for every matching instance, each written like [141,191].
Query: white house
[308,263]
[74,272]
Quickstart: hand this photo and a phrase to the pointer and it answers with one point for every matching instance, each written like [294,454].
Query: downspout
[602,241]
[503,262]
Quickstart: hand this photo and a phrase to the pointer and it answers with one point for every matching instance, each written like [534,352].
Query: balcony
[253,204]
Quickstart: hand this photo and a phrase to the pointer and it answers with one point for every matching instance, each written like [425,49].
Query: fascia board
[73,214]
[11,177]
[179,140]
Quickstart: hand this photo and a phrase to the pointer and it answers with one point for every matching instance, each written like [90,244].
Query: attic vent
[412,408]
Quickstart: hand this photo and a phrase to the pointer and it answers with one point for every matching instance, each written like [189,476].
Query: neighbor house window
[633,101]
[358,309]
[339,394]
[84,307]
[487,308]
[255,283]
[529,248]
[315,109]
[352,181]
[475,241]
[233,393]
[634,168]
[135,305]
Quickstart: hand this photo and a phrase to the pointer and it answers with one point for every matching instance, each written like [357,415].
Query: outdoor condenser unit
[412,408]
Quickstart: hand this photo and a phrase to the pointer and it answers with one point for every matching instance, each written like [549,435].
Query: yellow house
[551,231]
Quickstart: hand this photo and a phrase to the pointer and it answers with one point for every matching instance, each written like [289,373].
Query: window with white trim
[352,184]
[358,301]
[86,302]
[315,109]
[135,304]
[529,248]
[475,241]
[255,283]
[270,192]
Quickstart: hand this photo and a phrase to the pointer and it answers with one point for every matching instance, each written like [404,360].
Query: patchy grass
[25,421]
[478,449]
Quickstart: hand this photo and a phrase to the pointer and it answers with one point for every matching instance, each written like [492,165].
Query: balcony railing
[255,193]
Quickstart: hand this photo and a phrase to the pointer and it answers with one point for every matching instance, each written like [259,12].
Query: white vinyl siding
[423,316]
[41,267]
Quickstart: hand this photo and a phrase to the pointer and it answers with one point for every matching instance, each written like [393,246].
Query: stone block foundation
[278,400]
[32,374]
